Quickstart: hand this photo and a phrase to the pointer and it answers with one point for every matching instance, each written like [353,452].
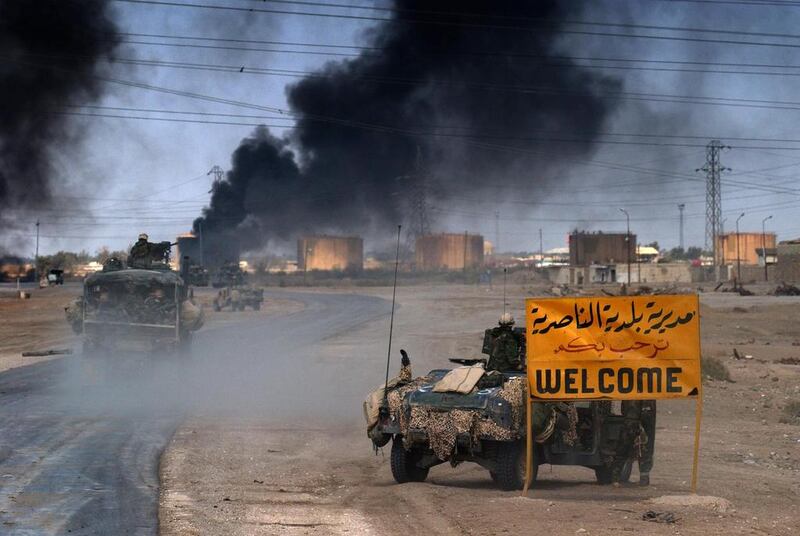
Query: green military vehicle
[147,310]
[228,275]
[237,298]
[483,421]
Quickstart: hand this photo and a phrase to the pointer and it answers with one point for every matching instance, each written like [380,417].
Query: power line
[491,54]
[504,27]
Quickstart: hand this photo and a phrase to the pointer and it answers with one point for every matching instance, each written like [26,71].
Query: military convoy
[147,309]
[237,298]
[471,414]
[228,275]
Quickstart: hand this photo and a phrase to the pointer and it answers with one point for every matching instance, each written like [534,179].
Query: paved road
[83,462]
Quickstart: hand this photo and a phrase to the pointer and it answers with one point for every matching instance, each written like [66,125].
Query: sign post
[613,348]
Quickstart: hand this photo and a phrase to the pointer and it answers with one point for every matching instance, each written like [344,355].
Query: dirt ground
[261,475]
[34,324]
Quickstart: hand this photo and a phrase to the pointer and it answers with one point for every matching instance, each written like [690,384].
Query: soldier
[637,438]
[140,253]
[504,346]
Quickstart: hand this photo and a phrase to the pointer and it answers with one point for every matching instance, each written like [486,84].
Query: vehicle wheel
[257,306]
[510,472]
[404,463]
[604,475]
[217,308]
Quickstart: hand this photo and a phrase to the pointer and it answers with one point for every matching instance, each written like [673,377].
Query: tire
[257,306]
[510,472]
[404,463]
[217,308]
[604,475]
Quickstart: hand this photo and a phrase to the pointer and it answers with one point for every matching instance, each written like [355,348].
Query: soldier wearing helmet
[141,253]
[505,346]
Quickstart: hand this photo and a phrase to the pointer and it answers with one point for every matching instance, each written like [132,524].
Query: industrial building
[190,246]
[586,249]
[345,253]
[749,245]
[448,251]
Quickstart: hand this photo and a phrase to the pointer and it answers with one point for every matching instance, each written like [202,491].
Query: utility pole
[219,176]
[541,249]
[419,218]
[36,259]
[738,258]
[496,232]
[200,237]
[681,206]
[764,245]
[713,169]
[628,240]
[721,245]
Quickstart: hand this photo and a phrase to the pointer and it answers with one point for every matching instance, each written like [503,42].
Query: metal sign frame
[529,454]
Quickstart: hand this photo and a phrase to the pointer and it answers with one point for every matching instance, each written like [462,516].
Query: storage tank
[449,251]
[345,253]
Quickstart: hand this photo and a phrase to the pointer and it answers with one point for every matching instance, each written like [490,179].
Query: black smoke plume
[50,52]
[473,90]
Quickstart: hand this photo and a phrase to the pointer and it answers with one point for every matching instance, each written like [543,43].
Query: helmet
[506,319]
[143,236]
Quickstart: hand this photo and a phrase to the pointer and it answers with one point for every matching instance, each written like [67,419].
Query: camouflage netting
[442,428]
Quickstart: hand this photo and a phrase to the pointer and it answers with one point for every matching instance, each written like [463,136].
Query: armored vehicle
[197,276]
[144,310]
[237,298]
[483,420]
[228,275]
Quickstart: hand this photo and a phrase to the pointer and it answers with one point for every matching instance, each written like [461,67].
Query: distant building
[345,253]
[586,249]
[13,268]
[188,245]
[647,254]
[748,246]
[449,251]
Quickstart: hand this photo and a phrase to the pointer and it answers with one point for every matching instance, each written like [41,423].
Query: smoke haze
[50,52]
[418,88]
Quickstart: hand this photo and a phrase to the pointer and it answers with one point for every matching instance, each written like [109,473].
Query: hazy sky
[136,175]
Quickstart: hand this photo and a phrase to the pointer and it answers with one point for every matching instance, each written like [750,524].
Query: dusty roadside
[39,323]
[264,475]
[34,324]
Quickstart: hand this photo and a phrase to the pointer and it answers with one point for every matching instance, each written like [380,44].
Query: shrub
[714,369]
[791,413]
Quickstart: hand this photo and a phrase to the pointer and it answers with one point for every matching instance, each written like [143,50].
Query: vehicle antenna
[505,271]
[385,405]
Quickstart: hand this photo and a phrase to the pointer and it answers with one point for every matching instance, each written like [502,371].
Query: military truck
[237,298]
[487,426]
[228,275]
[144,310]
[197,276]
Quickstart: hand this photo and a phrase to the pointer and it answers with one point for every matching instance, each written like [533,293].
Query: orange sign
[637,347]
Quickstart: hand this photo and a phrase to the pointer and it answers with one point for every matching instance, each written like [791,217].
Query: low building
[657,273]
[647,254]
